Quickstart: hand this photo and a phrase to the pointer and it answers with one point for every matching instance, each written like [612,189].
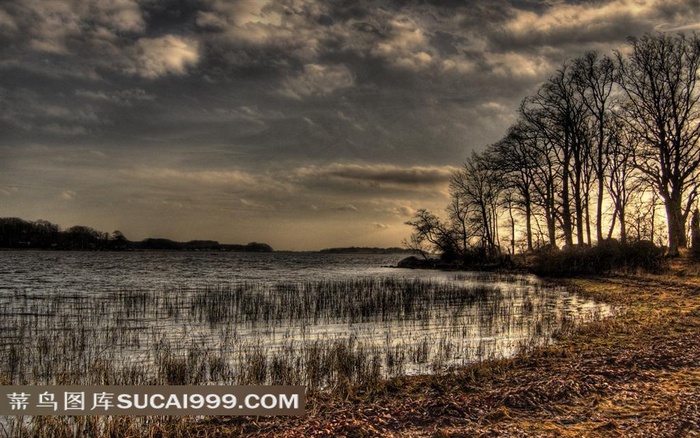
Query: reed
[341,336]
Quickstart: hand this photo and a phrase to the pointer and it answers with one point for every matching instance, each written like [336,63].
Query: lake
[261,318]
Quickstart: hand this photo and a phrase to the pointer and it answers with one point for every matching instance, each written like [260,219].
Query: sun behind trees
[593,152]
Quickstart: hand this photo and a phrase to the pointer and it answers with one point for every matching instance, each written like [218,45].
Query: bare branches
[659,79]
[601,130]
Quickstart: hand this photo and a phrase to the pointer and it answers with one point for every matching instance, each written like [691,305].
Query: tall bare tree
[660,78]
[516,157]
[594,78]
[479,185]
[621,179]
[561,117]
[541,150]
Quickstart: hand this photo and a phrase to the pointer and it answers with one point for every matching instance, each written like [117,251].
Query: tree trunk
[528,224]
[623,226]
[578,205]
[512,229]
[551,229]
[695,233]
[676,224]
[566,212]
[599,211]
[588,222]
[613,222]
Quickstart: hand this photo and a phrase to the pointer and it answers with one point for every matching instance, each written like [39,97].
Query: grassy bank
[637,374]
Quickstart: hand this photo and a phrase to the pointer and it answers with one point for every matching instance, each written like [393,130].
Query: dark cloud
[171,17]
[325,20]
[444,43]
[376,176]
[126,111]
[122,97]
[345,10]
[348,207]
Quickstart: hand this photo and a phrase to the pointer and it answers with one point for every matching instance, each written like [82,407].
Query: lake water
[208,317]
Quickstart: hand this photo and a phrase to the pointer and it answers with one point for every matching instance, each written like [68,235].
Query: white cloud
[51,25]
[68,195]
[512,64]
[211,20]
[118,15]
[407,46]
[593,20]
[156,57]
[242,13]
[233,178]
[666,27]
[260,25]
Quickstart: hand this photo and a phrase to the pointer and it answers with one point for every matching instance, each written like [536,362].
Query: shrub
[610,255]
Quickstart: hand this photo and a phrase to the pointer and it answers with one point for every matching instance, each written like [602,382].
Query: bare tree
[562,119]
[594,79]
[430,231]
[516,157]
[660,78]
[460,213]
[622,180]
[542,151]
[478,184]
[417,243]
[641,222]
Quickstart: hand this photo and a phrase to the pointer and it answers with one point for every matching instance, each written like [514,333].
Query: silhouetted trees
[659,79]
[41,234]
[478,187]
[517,159]
[608,135]
[433,234]
[594,78]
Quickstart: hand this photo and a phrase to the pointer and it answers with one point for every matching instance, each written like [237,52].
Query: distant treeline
[41,234]
[366,250]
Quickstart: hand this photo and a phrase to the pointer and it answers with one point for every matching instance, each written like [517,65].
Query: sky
[301,124]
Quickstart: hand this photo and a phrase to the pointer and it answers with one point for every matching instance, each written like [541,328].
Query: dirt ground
[634,374]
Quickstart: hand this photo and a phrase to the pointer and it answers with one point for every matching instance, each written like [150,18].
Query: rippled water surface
[251,318]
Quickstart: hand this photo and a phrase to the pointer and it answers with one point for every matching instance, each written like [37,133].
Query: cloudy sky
[301,124]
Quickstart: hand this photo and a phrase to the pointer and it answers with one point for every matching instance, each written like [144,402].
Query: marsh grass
[341,336]
[297,333]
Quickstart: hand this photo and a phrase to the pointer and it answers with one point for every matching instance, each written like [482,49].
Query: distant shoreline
[366,250]
[220,250]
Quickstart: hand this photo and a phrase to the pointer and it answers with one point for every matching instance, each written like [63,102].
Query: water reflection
[181,318]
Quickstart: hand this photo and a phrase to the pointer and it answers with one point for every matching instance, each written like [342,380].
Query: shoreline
[634,373]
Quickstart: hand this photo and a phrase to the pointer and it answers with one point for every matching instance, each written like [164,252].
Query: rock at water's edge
[414,262]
